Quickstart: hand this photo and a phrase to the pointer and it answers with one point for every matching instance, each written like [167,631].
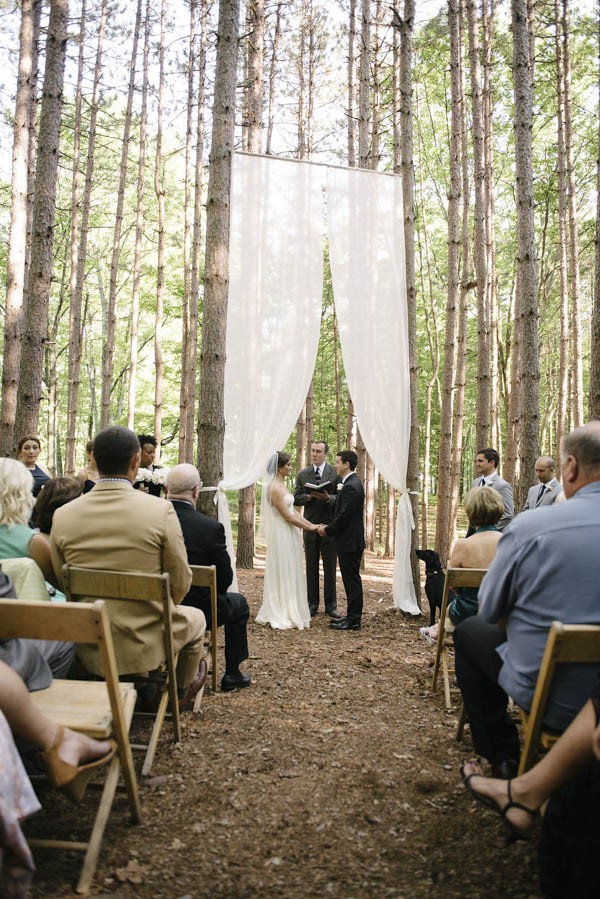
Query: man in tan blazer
[119,528]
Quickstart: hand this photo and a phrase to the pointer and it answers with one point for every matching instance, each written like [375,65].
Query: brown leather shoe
[186,701]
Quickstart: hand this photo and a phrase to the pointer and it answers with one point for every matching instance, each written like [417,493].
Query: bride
[285,604]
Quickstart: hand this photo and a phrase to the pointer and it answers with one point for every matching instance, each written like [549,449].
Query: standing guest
[318,508]
[204,540]
[547,568]
[89,475]
[549,490]
[28,450]
[148,445]
[118,528]
[486,464]
[285,604]
[347,529]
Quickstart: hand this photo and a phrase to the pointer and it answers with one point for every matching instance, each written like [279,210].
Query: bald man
[548,491]
[205,545]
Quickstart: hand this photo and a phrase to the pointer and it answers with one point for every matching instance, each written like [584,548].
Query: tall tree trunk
[574,280]
[44,206]
[443,520]
[526,258]
[480,242]
[139,231]
[159,189]
[111,312]
[253,131]
[364,85]
[563,378]
[79,257]
[351,85]
[408,181]
[594,394]
[272,75]
[211,418]
[17,241]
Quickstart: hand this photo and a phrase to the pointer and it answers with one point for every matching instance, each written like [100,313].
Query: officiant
[316,488]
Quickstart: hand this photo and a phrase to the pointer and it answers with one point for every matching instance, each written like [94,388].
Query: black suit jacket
[205,545]
[347,527]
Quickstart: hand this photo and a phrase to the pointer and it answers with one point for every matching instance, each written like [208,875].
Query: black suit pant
[478,665]
[232,615]
[316,547]
[350,571]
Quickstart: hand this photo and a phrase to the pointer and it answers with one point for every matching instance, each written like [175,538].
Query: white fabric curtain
[366,247]
[274,311]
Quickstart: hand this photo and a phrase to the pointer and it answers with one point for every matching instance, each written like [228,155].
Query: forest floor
[336,774]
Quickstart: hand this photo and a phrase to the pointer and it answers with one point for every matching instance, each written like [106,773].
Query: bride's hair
[282,459]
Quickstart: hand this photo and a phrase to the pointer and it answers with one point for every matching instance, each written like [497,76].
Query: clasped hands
[321,530]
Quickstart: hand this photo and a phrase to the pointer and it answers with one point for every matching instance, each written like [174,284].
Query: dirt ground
[336,774]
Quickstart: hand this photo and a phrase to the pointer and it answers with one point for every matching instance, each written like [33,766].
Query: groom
[347,530]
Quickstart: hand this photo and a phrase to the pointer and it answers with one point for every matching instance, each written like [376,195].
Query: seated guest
[547,568]
[17,539]
[89,474]
[205,544]
[118,528]
[484,507]
[569,776]
[55,493]
[148,444]
[28,450]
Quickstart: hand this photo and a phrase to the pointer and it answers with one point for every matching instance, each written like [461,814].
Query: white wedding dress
[285,603]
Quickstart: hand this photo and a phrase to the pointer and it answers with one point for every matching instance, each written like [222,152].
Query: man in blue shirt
[547,568]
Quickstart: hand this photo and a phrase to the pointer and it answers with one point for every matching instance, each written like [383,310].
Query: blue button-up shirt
[547,568]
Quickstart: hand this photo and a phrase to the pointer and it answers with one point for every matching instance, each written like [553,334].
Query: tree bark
[211,418]
[159,189]
[44,207]
[594,390]
[17,241]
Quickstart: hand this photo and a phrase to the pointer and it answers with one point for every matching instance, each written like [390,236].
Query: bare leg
[568,756]
[28,723]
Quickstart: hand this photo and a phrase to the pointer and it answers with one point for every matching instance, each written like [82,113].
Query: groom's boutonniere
[340,485]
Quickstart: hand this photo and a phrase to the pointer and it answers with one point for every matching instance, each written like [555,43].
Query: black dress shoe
[333,613]
[505,770]
[345,625]
[234,682]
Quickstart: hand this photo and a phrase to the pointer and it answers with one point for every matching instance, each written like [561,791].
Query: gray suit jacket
[552,491]
[505,490]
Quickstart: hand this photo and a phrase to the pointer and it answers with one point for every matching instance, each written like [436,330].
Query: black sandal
[514,832]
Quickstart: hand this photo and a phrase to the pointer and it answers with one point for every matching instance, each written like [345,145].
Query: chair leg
[156,729]
[95,841]
[213,649]
[462,720]
[446,679]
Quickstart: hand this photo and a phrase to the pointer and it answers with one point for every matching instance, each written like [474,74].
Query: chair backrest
[70,622]
[206,576]
[455,577]
[131,586]
[566,643]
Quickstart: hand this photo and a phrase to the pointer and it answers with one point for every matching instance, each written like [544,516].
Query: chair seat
[81,705]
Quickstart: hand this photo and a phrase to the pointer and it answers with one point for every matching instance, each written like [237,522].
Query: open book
[317,488]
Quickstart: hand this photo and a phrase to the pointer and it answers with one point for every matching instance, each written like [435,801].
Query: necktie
[317,476]
[482,482]
[540,494]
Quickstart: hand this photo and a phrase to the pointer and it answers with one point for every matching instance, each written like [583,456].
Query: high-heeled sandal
[513,832]
[72,779]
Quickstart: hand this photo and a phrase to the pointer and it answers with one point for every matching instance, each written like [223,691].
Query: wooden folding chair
[99,709]
[455,577]
[135,586]
[567,643]
[206,576]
